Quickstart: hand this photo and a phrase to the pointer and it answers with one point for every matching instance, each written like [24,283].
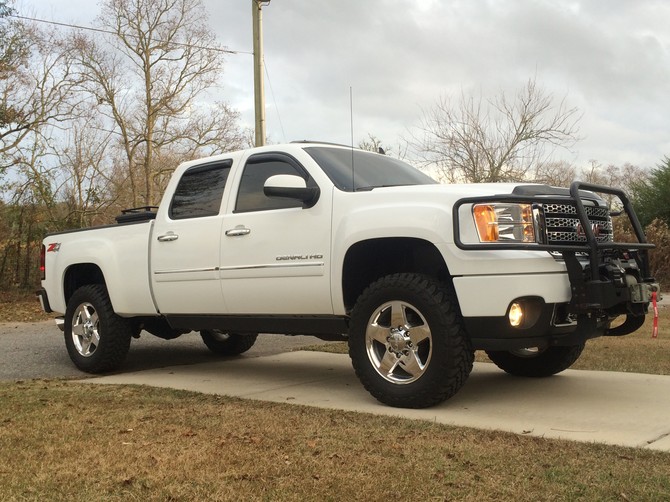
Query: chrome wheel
[219,336]
[407,341]
[536,361]
[527,352]
[97,339]
[399,343]
[227,344]
[85,334]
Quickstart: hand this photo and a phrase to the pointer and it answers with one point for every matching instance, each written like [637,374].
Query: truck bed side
[116,255]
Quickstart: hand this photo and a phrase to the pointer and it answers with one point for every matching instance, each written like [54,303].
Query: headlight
[504,222]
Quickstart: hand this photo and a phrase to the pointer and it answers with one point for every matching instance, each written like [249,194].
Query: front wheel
[535,362]
[97,339]
[407,342]
[228,344]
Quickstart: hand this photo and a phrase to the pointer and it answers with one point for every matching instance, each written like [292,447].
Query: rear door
[185,244]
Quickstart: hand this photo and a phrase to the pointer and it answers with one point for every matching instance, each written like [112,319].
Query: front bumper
[552,328]
[602,280]
[491,295]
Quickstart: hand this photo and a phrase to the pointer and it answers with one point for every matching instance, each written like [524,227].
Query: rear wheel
[535,362]
[97,339]
[407,342]
[228,344]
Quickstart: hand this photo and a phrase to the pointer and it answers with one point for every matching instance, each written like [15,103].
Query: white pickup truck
[339,243]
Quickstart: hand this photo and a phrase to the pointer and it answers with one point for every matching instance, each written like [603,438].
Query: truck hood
[460,191]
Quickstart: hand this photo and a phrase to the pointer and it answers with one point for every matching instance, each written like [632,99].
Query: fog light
[515,315]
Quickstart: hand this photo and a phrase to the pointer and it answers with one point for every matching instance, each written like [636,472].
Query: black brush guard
[614,279]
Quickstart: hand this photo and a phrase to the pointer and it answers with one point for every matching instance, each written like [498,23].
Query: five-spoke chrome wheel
[398,342]
[407,341]
[97,339]
[228,344]
[536,361]
[85,335]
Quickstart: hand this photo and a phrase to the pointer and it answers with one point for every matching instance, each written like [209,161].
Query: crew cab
[344,244]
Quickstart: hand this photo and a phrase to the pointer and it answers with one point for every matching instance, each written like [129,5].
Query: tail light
[43,268]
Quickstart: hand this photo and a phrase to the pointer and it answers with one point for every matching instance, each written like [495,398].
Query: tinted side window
[251,197]
[200,191]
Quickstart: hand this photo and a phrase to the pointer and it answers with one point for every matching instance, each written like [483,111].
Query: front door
[275,254]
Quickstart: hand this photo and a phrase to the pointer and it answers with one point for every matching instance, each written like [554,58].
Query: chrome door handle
[170,236]
[238,231]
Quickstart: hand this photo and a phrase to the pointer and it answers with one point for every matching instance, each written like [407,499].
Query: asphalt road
[37,350]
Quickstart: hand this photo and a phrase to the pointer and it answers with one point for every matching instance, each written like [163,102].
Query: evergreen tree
[651,196]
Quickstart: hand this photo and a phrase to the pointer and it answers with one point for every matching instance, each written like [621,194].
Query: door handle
[238,231]
[170,236]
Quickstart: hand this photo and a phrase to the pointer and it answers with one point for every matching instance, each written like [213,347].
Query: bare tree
[150,81]
[556,173]
[373,144]
[36,99]
[477,140]
[86,185]
[36,80]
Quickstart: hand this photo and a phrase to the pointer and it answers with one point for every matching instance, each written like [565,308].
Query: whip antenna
[351,116]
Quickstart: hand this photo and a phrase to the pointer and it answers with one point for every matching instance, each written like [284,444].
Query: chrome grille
[563,226]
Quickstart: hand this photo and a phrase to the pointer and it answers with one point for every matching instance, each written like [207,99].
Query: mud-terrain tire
[536,363]
[97,339]
[228,344]
[407,342]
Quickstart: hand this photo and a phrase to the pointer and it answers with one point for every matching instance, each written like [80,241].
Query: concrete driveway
[625,409]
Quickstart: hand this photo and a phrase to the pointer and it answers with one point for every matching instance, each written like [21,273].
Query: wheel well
[79,275]
[367,261]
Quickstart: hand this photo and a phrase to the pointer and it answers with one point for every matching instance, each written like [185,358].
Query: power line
[109,32]
[274,100]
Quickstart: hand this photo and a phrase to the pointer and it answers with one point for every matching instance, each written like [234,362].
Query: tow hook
[641,292]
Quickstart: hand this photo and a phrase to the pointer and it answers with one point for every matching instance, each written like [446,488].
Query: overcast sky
[609,58]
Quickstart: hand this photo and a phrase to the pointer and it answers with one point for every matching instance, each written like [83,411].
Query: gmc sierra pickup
[339,243]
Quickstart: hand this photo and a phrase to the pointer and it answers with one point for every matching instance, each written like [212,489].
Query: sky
[608,58]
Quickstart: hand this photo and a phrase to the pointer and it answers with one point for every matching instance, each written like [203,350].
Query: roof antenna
[351,116]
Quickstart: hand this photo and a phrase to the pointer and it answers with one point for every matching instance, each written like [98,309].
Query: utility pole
[259,88]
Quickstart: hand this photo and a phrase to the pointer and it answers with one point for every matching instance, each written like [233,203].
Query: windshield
[369,171]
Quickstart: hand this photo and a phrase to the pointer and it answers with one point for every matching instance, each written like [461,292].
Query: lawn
[65,441]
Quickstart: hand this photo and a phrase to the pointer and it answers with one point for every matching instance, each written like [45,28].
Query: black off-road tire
[435,363]
[543,363]
[101,339]
[228,344]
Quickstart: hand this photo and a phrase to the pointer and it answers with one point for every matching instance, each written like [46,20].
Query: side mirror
[291,187]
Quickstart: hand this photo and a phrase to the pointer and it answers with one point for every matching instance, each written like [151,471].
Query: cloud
[611,59]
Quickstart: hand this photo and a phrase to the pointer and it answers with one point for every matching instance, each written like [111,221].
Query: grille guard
[593,286]
[591,243]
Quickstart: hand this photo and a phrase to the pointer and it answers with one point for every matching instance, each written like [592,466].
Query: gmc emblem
[596,228]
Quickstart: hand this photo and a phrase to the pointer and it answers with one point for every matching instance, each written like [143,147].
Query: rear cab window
[200,191]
